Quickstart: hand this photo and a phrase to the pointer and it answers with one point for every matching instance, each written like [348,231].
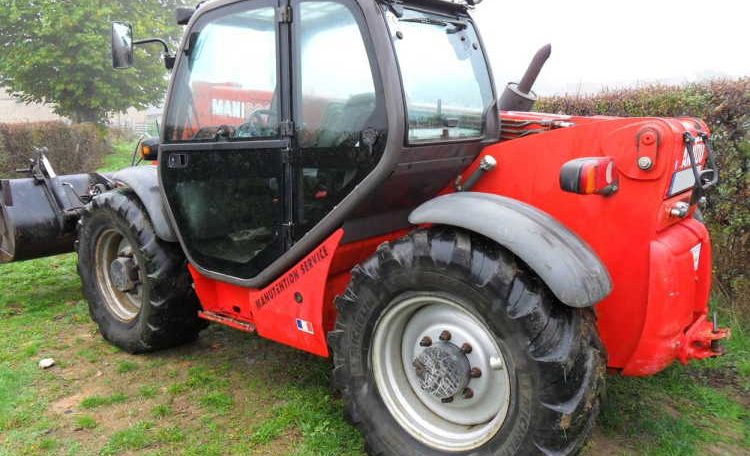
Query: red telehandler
[340,176]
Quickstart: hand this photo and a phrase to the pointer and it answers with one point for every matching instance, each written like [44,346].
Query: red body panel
[290,310]
[660,264]
[679,282]
[306,293]
[658,294]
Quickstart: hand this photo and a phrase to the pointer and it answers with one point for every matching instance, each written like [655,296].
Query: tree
[58,52]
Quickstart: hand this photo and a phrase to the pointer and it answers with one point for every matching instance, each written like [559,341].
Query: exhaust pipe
[38,215]
[519,96]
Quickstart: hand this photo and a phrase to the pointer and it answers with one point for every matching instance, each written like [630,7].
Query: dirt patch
[84,378]
[284,444]
[743,397]
[71,404]
[724,449]
[601,444]
[12,309]
[220,355]
[725,444]
[76,374]
[726,379]
[670,408]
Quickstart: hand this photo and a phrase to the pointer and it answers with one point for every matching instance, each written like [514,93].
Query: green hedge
[725,106]
[72,148]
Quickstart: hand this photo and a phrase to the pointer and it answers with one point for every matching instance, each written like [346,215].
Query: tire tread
[172,314]
[563,342]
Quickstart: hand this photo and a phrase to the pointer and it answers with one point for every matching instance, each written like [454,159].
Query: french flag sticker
[305,326]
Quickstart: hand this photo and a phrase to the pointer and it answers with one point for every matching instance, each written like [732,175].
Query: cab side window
[337,87]
[339,111]
[229,88]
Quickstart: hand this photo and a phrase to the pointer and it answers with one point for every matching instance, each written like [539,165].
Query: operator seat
[344,122]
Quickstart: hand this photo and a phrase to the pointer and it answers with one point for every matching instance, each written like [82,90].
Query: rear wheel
[137,286]
[445,344]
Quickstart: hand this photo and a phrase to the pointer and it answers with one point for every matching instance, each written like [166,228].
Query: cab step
[228,321]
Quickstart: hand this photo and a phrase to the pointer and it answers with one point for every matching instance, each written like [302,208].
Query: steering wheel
[257,125]
[257,116]
[225,132]
[215,133]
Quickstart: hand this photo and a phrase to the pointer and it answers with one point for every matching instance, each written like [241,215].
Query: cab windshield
[445,76]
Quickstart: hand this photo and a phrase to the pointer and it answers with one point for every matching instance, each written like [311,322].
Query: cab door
[338,109]
[222,167]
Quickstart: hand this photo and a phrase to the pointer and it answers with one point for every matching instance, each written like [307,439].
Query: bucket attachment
[38,214]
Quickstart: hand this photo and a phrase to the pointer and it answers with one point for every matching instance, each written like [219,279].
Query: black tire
[557,363]
[168,314]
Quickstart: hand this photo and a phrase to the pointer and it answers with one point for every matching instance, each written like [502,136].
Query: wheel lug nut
[425,342]
[468,393]
[447,400]
[445,336]
[475,372]
[466,348]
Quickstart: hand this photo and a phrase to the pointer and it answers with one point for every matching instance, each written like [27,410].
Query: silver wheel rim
[466,422]
[124,305]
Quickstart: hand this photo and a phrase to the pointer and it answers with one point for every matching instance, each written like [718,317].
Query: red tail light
[588,176]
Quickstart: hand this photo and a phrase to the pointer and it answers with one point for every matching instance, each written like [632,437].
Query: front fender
[566,264]
[144,181]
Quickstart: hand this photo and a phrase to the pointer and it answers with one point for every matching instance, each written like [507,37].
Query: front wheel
[138,287]
[445,344]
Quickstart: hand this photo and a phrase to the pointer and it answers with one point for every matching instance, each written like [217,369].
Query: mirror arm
[154,40]
[169,59]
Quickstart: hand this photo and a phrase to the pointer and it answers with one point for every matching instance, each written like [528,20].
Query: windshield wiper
[425,20]
[457,25]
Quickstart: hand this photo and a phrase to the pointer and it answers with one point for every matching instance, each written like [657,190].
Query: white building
[13,110]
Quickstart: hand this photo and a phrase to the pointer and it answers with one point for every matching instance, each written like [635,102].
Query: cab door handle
[177,160]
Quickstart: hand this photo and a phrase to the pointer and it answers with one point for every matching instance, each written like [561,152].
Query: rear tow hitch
[703,340]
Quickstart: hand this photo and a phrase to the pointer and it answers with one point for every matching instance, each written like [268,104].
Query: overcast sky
[598,43]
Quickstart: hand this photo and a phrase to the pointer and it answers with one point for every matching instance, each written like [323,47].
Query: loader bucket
[38,217]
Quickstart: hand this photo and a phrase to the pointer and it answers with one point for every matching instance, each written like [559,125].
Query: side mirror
[122,45]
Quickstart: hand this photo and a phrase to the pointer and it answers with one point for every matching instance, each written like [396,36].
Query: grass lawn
[231,393]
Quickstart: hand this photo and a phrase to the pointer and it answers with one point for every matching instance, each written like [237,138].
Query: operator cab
[288,120]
